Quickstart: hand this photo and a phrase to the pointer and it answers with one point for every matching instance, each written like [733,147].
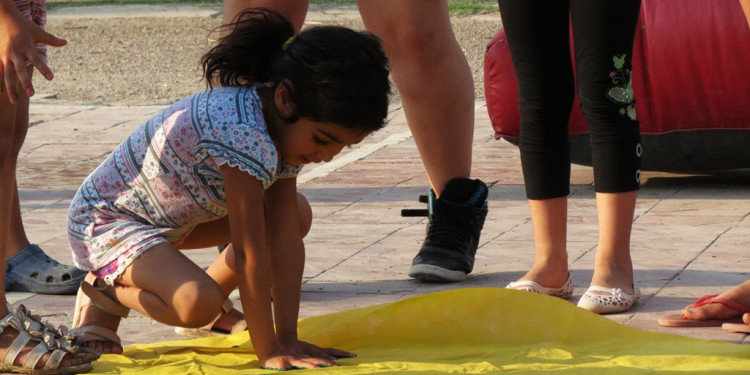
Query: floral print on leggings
[622,91]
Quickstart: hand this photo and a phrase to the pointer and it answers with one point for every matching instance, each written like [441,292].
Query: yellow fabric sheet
[472,330]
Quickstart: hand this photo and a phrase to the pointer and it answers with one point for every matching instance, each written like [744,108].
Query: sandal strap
[226,308]
[240,326]
[55,359]
[40,350]
[15,347]
[53,337]
[35,355]
[103,302]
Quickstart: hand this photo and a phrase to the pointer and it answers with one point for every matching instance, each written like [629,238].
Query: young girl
[220,167]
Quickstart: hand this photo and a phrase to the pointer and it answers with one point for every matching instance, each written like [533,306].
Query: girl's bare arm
[244,195]
[287,255]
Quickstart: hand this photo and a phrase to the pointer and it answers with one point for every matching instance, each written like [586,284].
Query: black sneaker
[455,222]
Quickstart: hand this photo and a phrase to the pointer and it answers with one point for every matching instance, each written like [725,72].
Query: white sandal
[608,300]
[563,292]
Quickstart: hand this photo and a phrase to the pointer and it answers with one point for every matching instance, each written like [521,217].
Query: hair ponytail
[247,51]
[334,74]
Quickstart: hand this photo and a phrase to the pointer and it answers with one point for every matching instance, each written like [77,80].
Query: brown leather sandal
[89,296]
[210,329]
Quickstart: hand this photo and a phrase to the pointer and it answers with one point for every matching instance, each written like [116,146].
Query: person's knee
[197,304]
[414,43]
[304,214]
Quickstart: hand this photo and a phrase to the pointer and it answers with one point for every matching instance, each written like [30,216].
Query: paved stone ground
[690,234]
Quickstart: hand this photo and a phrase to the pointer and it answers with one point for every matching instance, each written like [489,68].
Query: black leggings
[603,32]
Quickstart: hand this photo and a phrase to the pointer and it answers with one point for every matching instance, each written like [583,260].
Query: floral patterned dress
[164,179]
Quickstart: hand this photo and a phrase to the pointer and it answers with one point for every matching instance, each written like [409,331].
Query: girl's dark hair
[334,74]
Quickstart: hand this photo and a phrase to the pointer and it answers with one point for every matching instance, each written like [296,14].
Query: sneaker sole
[430,273]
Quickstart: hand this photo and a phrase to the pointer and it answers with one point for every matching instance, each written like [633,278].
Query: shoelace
[441,232]
[447,234]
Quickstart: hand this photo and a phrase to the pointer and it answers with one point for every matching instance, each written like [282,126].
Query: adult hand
[17,38]
[300,354]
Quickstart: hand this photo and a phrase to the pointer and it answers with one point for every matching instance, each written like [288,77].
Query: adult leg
[31,270]
[434,80]
[13,122]
[537,33]
[294,10]
[603,34]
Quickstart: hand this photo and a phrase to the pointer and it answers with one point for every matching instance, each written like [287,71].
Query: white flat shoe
[563,292]
[608,300]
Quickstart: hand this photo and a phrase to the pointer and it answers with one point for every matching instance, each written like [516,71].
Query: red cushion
[691,72]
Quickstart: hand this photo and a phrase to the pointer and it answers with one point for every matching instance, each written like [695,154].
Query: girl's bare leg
[185,296]
[181,296]
[222,269]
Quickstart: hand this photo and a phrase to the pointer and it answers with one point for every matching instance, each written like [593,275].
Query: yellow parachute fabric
[470,330]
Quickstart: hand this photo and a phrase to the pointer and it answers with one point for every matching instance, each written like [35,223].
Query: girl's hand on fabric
[315,351]
[283,360]
[17,38]
[297,354]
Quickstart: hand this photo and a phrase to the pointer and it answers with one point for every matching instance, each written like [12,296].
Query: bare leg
[613,267]
[13,125]
[549,220]
[184,296]
[14,120]
[294,10]
[746,9]
[433,78]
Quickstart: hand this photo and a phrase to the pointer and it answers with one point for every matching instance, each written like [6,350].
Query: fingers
[37,61]
[338,353]
[9,83]
[50,40]
[42,67]
[311,362]
[292,363]
[24,76]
